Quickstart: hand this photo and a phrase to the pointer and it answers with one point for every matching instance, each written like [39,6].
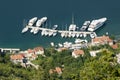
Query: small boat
[80,41]
[81,35]
[25,29]
[43,32]
[55,27]
[62,34]
[32,30]
[52,44]
[50,33]
[73,35]
[84,35]
[92,35]
[60,45]
[54,33]
[36,30]
[77,35]
[46,33]
[70,34]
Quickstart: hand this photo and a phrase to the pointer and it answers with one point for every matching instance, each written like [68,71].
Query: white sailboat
[32,21]
[25,29]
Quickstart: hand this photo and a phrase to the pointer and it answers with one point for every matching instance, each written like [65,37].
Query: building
[62,49]
[115,46]
[39,50]
[57,70]
[77,53]
[17,58]
[101,41]
[30,54]
[118,58]
[93,53]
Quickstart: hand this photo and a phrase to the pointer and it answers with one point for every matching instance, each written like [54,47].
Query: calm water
[13,12]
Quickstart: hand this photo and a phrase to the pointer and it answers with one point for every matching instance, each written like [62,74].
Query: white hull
[41,21]
[25,30]
[36,30]
[32,21]
[85,25]
[95,24]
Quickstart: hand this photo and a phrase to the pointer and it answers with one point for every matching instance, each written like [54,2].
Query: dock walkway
[9,49]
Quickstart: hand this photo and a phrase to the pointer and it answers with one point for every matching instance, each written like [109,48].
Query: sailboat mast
[72,18]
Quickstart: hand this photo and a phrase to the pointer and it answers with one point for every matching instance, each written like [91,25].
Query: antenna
[24,23]
[72,18]
[66,27]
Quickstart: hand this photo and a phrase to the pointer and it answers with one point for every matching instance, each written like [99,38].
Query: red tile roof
[58,70]
[30,51]
[39,48]
[102,39]
[17,56]
[115,46]
[78,52]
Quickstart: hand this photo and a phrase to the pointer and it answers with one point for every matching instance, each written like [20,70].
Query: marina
[71,32]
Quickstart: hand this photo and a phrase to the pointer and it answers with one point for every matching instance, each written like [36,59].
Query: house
[101,40]
[114,46]
[39,50]
[118,58]
[62,49]
[93,53]
[76,53]
[57,70]
[17,58]
[30,54]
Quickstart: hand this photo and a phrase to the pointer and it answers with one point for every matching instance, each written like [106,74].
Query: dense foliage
[101,67]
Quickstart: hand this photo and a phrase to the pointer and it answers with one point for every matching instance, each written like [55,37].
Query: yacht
[32,21]
[95,24]
[41,21]
[25,29]
[38,23]
[85,25]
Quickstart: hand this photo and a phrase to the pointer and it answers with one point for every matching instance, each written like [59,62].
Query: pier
[64,31]
[9,49]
